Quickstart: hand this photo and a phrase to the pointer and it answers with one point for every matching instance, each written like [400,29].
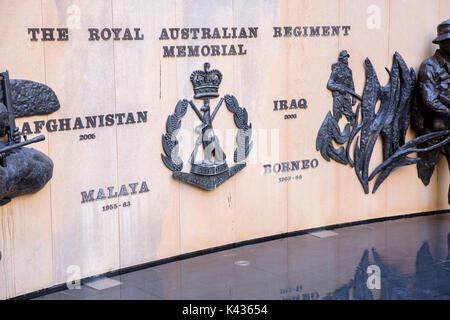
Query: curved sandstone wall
[120,67]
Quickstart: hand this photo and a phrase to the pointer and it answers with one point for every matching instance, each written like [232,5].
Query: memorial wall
[136,83]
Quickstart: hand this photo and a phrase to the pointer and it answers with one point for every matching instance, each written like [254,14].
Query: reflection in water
[430,281]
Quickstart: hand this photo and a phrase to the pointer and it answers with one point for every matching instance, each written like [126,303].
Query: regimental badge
[211,171]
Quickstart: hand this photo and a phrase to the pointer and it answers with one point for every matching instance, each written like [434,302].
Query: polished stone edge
[184,256]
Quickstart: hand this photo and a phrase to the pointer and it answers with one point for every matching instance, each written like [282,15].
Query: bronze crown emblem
[206,83]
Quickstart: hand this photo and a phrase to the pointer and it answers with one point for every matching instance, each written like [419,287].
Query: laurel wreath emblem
[244,134]
[169,140]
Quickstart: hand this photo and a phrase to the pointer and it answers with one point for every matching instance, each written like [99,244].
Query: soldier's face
[445,46]
[344,59]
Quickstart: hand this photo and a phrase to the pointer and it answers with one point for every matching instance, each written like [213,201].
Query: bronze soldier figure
[22,170]
[343,88]
[432,110]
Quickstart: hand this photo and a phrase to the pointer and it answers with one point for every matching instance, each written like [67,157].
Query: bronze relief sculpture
[22,170]
[211,171]
[431,113]
[342,87]
[426,103]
